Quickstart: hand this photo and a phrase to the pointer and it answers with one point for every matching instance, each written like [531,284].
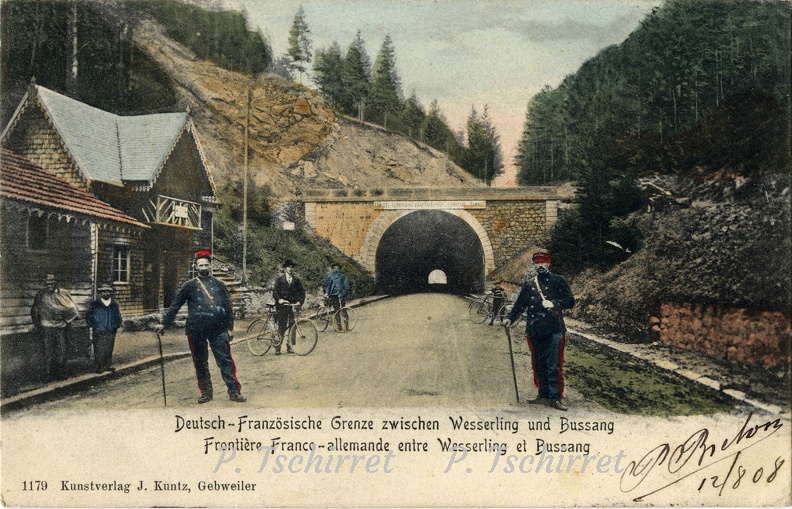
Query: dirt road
[416,350]
[412,351]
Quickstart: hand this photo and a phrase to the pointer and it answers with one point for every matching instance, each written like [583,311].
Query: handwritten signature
[700,452]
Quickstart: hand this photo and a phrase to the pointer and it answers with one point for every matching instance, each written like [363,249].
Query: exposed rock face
[296,140]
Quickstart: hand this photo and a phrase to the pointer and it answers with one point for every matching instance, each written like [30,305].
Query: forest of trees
[684,61]
[43,39]
[219,36]
[350,83]
[700,88]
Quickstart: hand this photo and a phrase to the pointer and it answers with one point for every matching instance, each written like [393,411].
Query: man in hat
[544,298]
[287,293]
[53,312]
[104,318]
[210,319]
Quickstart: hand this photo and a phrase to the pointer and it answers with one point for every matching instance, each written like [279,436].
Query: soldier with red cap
[544,299]
[210,319]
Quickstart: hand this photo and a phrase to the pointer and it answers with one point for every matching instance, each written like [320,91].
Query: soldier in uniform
[210,320]
[544,299]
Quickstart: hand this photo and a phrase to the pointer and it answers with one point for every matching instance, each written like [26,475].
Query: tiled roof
[24,181]
[111,148]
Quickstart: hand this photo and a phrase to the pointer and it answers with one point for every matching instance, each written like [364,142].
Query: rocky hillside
[296,140]
[713,274]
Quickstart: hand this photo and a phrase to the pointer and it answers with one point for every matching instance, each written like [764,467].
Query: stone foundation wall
[760,338]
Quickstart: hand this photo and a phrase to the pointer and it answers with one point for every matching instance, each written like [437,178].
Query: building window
[37,232]
[120,264]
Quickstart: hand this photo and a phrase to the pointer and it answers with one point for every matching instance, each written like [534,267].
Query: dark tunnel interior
[426,240]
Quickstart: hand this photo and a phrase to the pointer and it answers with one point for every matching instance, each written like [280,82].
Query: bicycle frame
[301,334]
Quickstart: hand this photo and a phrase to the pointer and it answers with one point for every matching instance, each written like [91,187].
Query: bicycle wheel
[323,319]
[259,337]
[303,336]
[479,311]
[353,317]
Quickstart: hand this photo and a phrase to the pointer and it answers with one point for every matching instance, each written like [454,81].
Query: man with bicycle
[544,300]
[288,294]
[336,290]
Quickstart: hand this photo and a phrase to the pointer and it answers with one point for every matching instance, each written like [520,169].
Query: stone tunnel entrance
[424,241]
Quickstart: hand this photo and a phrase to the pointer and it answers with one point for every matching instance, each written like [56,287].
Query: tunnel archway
[426,240]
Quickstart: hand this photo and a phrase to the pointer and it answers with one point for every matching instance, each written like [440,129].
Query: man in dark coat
[104,318]
[288,291]
[544,298]
[210,319]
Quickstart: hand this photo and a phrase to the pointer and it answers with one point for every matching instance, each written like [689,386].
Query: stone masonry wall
[752,337]
[346,223]
[511,225]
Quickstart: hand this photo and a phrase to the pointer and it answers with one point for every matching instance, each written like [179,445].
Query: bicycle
[481,309]
[327,315]
[262,334]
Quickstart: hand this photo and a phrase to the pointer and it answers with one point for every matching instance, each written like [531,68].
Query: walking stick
[162,366]
[511,356]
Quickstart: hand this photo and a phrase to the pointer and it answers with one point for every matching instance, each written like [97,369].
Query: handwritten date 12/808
[736,475]
[668,464]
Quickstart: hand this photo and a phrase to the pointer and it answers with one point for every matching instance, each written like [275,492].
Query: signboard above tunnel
[433,205]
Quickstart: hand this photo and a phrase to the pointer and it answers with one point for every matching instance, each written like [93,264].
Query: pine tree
[484,157]
[356,77]
[385,98]
[412,116]
[299,43]
[328,68]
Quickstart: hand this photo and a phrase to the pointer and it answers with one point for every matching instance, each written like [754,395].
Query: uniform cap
[105,287]
[542,256]
[288,263]
[203,253]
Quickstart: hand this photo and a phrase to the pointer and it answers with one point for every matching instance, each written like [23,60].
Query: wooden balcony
[169,211]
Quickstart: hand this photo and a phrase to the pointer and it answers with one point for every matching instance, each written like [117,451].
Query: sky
[463,53]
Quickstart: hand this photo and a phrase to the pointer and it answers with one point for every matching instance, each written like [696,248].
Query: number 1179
[34,485]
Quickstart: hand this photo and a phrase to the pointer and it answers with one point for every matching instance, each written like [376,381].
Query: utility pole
[71,74]
[245,189]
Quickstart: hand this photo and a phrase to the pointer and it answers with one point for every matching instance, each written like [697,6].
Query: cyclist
[336,290]
[498,296]
[288,290]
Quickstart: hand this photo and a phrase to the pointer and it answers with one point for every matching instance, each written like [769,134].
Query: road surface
[410,351]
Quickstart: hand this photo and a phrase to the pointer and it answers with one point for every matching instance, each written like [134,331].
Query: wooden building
[149,167]
[49,226]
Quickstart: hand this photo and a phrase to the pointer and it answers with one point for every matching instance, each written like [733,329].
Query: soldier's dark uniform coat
[545,330]
[208,321]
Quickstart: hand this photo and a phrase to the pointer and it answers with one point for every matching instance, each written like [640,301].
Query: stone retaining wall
[752,337]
